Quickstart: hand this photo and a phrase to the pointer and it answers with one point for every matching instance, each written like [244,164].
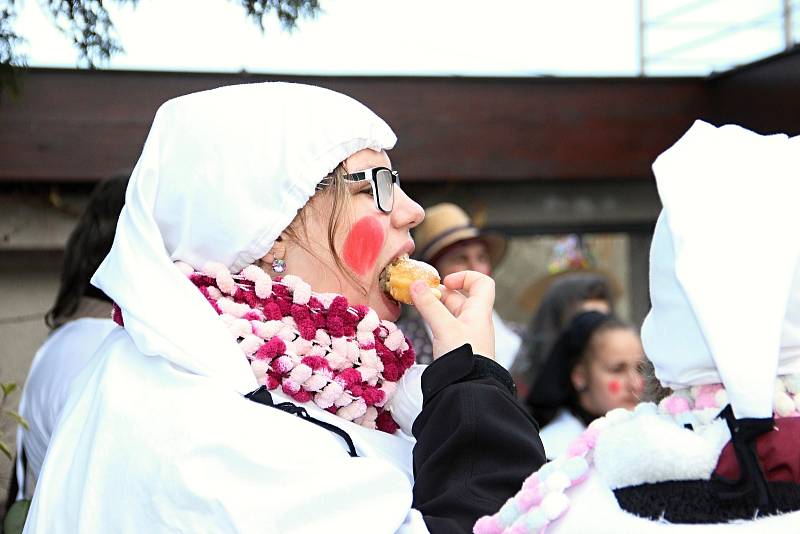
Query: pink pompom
[315,382]
[369,323]
[367,373]
[290,387]
[250,344]
[676,404]
[579,447]
[705,400]
[302,293]
[262,281]
[300,373]
[223,277]
[322,338]
[488,525]
[590,436]
[365,338]
[394,340]
[302,346]
[240,328]
[233,308]
[531,481]
[343,400]
[354,410]
[388,389]
[528,497]
[282,364]
[322,400]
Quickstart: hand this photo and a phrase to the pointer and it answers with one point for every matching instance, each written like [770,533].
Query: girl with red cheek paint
[593,368]
[343,241]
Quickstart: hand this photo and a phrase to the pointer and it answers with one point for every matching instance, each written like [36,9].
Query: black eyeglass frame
[375,172]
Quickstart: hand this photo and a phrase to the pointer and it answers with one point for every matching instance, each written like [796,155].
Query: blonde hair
[334,186]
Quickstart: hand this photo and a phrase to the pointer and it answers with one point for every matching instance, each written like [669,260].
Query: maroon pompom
[392,372]
[386,423]
[302,396]
[272,311]
[272,348]
[116,315]
[373,395]
[335,327]
[350,377]
[316,362]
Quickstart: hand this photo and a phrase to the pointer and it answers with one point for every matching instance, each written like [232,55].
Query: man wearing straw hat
[448,240]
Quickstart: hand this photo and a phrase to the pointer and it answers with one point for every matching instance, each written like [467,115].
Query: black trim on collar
[263,396]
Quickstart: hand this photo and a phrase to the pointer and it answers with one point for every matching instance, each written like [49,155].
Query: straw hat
[445,225]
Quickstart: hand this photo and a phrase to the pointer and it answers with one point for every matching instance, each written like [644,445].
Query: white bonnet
[221,175]
[724,276]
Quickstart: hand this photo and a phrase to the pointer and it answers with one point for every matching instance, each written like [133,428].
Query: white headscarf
[724,269]
[221,175]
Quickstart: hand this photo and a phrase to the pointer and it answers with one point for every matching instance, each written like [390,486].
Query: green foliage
[287,11]
[5,414]
[90,29]
[14,521]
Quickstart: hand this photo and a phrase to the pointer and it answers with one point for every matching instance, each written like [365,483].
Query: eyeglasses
[383,181]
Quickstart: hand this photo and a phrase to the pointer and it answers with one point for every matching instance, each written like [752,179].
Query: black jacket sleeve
[476,443]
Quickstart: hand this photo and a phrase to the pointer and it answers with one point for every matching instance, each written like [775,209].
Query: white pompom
[557,482]
[554,504]
[784,405]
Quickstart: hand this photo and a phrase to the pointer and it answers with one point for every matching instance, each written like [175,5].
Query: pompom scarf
[314,347]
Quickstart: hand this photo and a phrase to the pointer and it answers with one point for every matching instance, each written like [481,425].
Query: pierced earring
[278,250]
[278,265]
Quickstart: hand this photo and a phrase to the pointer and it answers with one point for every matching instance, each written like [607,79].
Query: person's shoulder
[560,432]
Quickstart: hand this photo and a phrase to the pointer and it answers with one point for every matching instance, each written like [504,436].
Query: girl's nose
[405,212]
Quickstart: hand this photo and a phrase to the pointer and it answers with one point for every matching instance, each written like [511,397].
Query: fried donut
[397,277]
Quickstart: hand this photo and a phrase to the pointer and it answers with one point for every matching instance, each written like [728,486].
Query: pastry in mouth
[397,277]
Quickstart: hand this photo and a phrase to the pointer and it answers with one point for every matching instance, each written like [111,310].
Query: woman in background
[570,293]
[79,321]
[593,368]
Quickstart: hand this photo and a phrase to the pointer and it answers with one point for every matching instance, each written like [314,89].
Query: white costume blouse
[56,364]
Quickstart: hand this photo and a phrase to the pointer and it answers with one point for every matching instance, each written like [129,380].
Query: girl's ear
[579,377]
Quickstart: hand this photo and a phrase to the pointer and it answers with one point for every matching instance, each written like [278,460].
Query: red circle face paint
[363,244]
[614,387]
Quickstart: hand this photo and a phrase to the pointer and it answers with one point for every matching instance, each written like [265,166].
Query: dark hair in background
[558,305]
[87,246]
[553,389]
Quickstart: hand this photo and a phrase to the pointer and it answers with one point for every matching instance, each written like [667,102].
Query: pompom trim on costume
[315,348]
[543,497]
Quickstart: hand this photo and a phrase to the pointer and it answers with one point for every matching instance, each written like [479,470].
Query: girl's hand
[464,314]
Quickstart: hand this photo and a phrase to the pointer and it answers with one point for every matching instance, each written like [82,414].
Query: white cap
[724,277]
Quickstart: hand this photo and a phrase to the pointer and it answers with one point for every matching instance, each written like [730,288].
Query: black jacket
[476,443]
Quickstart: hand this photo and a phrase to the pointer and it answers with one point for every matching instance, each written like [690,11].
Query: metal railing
[702,36]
